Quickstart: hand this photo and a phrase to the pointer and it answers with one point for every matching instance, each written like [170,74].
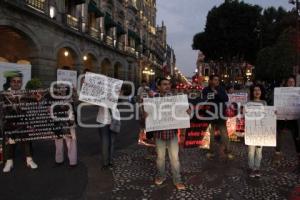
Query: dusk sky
[185,18]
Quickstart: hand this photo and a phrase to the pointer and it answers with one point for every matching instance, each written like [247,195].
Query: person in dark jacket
[215,94]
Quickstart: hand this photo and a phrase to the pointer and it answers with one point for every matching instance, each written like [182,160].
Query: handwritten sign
[100,90]
[166,113]
[68,76]
[287,103]
[260,127]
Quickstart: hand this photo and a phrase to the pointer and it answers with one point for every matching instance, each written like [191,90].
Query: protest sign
[166,113]
[198,136]
[239,98]
[100,90]
[8,69]
[68,76]
[236,120]
[260,126]
[27,115]
[287,103]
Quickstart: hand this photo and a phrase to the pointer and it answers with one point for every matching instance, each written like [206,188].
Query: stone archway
[89,62]
[67,58]
[118,72]
[16,45]
[106,67]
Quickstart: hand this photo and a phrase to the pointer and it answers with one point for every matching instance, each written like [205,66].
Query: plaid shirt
[165,135]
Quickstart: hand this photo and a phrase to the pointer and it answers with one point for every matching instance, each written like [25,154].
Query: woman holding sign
[291,125]
[255,152]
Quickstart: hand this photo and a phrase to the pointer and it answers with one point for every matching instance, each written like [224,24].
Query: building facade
[118,38]
[230,73]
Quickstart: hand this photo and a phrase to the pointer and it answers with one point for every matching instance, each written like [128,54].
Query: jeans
[173,150]
[108,140]
[254,157]
[221,126]
[293,127]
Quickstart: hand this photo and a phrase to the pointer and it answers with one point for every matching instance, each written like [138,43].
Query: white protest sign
[260,125]
[68,76]
[298,80]
[287,103]
[241,98]
[100,90]
[165,113]
[8,68]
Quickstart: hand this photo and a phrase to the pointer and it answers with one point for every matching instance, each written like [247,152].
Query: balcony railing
[72,22]
[131,50]
[39,5]
[94,32]
[120,46]
[109,41]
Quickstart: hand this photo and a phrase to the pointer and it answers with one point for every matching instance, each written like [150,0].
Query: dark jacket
[220,99]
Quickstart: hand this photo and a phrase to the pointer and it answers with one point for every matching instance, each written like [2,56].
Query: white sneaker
[31,164]
[8,166]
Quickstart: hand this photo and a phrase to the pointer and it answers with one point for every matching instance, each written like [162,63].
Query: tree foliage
[229,32]
[239,31]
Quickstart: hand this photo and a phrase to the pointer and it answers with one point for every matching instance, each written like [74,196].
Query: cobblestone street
[134,176]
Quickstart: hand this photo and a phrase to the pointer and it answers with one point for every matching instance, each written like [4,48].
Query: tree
[229,32]
[276,62]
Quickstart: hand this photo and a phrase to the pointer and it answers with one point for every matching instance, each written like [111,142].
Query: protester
[215,94]
[291,125]
[143,90]
[70,139]
[111,126]
[16,80]
[167,139]
[257,96]
[230,89]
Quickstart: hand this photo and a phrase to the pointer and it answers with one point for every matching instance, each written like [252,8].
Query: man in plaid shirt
[167,139]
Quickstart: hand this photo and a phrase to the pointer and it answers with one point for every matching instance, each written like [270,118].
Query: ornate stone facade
[118,38]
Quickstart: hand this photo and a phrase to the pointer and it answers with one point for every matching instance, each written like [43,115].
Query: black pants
[219,124]
[11,148]
[292,126]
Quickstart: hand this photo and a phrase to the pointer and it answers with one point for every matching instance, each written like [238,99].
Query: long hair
[262,89]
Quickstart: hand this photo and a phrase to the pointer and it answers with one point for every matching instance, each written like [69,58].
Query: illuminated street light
[85,58]
[66,53]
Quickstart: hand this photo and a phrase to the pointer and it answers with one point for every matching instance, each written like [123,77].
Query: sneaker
[159,181]
[105,167]
[180,186]
[8,166]
[210,156]
[31,164]
[257,173]
[230,156]
[252,174]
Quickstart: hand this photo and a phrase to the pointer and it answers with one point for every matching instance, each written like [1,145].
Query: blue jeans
[254,157]
[173,150]
[108,140]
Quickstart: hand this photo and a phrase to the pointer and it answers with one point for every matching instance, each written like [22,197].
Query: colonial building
[118,38]
[233,73]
